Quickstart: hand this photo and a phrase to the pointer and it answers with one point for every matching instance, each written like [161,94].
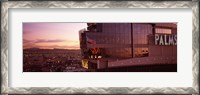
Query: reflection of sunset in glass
[52,35]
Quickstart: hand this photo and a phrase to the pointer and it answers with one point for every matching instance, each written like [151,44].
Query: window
[141,52]
[141,32]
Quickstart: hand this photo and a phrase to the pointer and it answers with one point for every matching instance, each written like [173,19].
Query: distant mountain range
[48,49]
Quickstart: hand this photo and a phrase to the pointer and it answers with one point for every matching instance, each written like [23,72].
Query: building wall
[164,50]
[140,34]
[132,40]
[114,36]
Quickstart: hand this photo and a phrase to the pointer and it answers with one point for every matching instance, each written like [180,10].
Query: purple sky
[52,35]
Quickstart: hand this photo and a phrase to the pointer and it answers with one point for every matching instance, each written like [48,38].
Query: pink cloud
[34,44]
[48,41]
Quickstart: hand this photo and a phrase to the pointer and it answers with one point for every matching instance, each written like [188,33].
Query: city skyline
[50,35]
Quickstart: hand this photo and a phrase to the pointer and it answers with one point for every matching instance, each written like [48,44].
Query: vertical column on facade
[153,28]
[132,44]
[154,32]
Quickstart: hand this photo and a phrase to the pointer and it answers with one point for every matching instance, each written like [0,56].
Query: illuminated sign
[163,39]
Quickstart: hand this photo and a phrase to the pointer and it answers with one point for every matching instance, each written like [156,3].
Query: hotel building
[124,46]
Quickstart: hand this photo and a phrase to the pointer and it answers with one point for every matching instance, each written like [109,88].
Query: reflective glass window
[141,52]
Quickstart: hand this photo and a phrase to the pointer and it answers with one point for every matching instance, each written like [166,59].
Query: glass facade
[120,40]
[113,36]
[140,39]
[141,32]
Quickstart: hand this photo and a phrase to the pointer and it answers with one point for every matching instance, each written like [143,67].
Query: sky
[52,35]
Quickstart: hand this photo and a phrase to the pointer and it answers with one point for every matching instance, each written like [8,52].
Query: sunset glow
[52,35]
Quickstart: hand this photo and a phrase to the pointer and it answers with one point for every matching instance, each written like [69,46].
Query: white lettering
[156,38]
[175,39]
[171,41]
[166,40]
[161,40]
